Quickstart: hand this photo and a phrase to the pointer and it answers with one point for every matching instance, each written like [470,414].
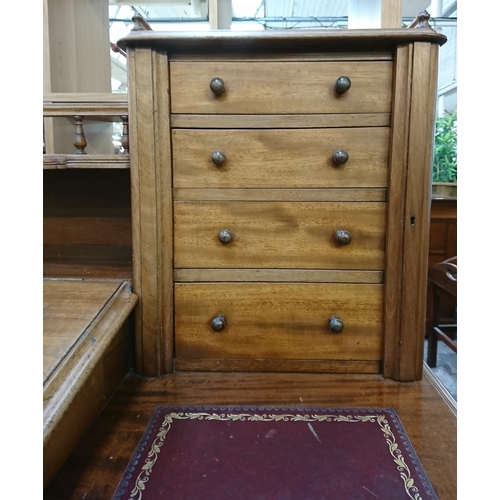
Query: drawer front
[279,235]
[278,320]
[280,87]
[312,158]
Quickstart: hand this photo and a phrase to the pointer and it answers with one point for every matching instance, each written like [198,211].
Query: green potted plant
[444,172]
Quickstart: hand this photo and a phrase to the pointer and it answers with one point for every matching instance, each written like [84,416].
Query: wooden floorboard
[97,464]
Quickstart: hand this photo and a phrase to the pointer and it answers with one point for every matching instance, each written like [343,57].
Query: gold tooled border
[390,439]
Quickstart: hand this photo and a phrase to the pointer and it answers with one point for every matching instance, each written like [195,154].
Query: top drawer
[280,87]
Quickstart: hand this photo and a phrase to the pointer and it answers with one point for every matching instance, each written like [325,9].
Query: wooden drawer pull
[343,237]
[225,236]
[335,324]
[218,323]
[217,86]
[342,85]
[218,158]
[340,157]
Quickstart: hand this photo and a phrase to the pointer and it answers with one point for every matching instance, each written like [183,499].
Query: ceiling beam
[169,3]
[374,14]
[220,14]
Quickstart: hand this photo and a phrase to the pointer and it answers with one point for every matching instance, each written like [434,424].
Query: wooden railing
[96,107]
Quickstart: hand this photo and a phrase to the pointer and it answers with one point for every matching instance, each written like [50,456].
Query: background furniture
[281,195]
[443,286]
[87,270]
[442,245]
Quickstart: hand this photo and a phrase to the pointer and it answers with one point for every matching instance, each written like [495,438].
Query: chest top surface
[279,40]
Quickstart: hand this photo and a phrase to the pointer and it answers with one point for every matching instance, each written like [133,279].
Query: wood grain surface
[278,321]
[331,120]
[280,87]
[285,275]
[279,235]
[256,194]
[68,308]
[96,467]
[281,158]
[83,362]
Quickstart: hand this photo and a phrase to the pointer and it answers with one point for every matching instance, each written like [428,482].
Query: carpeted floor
[446,367]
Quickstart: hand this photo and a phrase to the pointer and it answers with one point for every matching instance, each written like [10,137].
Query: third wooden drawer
[294,235]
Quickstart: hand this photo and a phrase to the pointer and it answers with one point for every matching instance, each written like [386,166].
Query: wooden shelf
[62,161]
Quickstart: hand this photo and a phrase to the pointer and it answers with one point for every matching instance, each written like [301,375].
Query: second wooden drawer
[302,158]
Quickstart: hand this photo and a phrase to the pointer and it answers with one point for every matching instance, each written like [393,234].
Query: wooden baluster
[80,141]
[125,143]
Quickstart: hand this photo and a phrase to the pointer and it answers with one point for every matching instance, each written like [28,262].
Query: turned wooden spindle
[421,21]
[80,141]
[140,23]
[124,139]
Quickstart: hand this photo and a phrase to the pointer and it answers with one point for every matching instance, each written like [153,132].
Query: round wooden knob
[217,86]
[343,237]
[225,236]
[218,157]
[342,85]
[218,323]
[340,157]
[335,324]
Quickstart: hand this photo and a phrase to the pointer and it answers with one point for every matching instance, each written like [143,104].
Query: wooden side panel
[279,235]
[281,87]
[143,208]
[164,186]
[279,158]
[417,209]
[395,213]
[278,321]
[151,208]
[409,211]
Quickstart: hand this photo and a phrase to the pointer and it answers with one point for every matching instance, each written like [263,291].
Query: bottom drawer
[277,321]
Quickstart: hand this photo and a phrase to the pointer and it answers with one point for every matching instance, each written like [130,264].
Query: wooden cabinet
[280,199]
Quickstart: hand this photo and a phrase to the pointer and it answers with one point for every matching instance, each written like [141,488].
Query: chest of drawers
[281,195]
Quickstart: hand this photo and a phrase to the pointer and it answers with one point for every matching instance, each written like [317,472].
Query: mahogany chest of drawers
[281,194]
